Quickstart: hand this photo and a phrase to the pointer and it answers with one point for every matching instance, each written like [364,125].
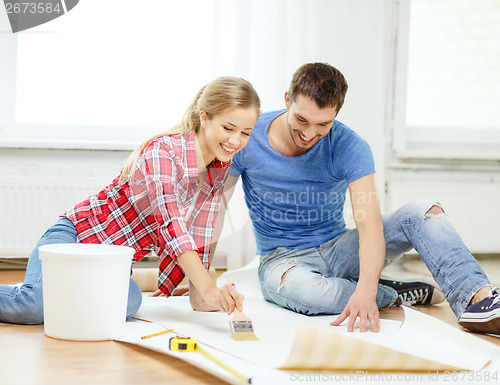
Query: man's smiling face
[306,122]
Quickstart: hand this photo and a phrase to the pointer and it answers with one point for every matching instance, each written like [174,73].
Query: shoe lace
[412,297]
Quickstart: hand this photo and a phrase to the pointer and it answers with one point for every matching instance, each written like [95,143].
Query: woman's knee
[134,299]
[33,315]
[22,310]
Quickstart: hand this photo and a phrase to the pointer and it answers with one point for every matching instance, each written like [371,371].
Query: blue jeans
[24,305]
[321,279]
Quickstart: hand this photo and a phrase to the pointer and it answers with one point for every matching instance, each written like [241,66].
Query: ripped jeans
[321,279]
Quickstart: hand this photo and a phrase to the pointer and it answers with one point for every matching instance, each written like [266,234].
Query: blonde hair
[220,94]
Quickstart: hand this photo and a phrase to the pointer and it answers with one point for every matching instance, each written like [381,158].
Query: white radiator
[29,205]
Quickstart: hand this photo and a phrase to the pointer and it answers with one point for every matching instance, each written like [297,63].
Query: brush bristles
[245,336]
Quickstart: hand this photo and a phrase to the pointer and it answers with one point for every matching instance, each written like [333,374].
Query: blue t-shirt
[298,202]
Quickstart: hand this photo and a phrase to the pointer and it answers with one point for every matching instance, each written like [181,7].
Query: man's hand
[365,207]
[363,306]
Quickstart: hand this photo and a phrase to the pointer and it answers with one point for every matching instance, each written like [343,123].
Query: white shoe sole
[481,323]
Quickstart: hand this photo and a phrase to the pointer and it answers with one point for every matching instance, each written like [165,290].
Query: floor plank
[29,357]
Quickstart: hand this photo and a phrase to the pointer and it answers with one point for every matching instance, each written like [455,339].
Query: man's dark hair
[321,82]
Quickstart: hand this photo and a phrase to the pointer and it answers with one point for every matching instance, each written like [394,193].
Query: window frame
[16,134]
[412,142]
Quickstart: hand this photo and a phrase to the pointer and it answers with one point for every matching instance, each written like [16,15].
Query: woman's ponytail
[223,93]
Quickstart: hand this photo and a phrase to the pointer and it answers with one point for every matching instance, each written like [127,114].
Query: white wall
[356,36]
[350,34]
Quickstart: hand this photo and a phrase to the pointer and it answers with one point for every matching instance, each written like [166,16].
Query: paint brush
[241,325]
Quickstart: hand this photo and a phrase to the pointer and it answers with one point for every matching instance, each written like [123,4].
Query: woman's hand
[178,291]
[196,300]
[225,298]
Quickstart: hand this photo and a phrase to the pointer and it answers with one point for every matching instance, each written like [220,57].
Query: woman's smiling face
[226,133]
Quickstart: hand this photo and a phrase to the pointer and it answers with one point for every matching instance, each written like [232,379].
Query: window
[110,73]
[447,93]
[105,75]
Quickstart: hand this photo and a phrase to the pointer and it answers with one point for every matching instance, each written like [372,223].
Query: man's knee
[283,277]
[302,284]
[420,210]
[435,210]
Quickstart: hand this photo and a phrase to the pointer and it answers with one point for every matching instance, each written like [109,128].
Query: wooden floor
[28,357]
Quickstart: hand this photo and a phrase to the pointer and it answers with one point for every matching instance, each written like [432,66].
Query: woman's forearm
[192,266]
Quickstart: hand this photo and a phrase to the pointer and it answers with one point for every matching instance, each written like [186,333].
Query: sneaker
[415,292]
[483,316]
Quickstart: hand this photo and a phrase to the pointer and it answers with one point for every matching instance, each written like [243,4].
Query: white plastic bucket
[85,290]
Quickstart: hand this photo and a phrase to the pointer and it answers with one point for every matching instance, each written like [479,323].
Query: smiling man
[296,170]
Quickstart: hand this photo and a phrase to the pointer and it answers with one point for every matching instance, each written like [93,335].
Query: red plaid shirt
[148,212]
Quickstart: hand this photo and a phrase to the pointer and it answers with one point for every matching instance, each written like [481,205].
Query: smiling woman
[165,200]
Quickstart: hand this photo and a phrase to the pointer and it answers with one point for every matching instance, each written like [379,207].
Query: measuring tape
[188,344]
[182,344]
